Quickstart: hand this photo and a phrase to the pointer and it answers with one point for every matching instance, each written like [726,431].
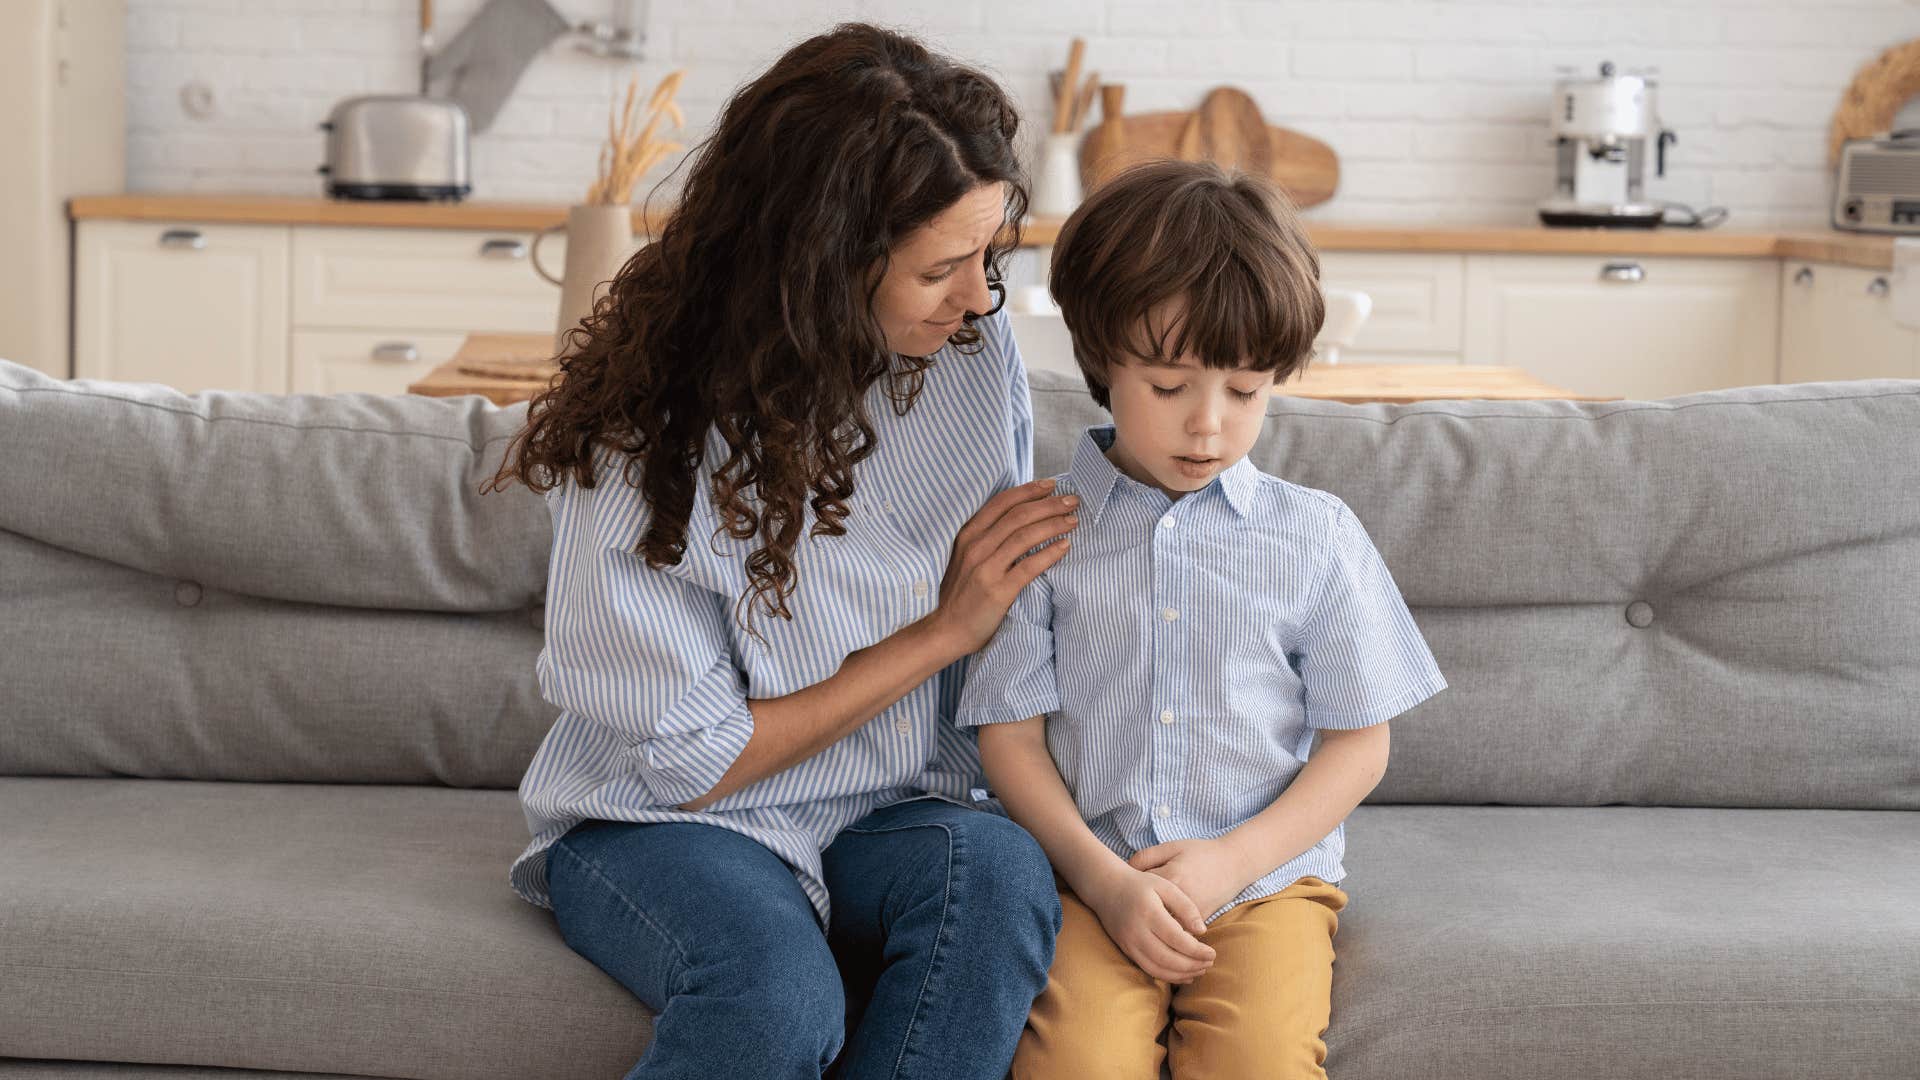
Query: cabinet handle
[1804,276]
[1626,271]
[396,352]
[504,249]
[185,239]
[1877,287]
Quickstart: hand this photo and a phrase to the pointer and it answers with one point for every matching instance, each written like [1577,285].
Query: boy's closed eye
[1174,391]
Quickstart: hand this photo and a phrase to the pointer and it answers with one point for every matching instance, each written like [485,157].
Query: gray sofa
[266,687]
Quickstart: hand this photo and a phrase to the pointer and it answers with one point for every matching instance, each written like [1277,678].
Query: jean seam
[680,955]
[940,934]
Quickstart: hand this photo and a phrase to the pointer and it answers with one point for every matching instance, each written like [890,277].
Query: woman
[796,411]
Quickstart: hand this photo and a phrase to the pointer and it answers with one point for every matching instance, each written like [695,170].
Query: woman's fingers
[1034,565]
[994,509]
[1024,514]
[1023,540]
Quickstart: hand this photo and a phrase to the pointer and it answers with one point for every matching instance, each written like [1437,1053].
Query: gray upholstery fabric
[1690,604]
[254,587]
[250,925]
[1555,943]
[24,1069]
[335,929]
[1770,536]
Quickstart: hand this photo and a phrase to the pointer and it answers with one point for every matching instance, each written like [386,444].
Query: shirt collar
[1094,478]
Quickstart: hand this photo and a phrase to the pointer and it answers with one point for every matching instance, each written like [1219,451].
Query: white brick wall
[1437,108]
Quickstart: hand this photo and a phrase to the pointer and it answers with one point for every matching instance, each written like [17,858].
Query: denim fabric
[942,930]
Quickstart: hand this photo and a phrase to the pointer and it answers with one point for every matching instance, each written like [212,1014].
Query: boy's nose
[1204,421]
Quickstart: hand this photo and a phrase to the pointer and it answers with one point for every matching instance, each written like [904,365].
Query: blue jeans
[941,935]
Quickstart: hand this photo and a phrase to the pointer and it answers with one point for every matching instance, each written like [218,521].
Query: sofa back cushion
[256,587]
[1711,600]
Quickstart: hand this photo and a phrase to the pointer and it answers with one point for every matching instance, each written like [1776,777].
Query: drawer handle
[1804,276]
[396,352]
[1877,287]
[184,239]
[504,249]
[1626,271]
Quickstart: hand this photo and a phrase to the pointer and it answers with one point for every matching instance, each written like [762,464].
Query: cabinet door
[196,307]
[1416,305]
[1632,327]
[367,362]
[423,279]
[1834,324]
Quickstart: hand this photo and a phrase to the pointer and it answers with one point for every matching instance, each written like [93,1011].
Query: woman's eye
[937,278]
[1166,391]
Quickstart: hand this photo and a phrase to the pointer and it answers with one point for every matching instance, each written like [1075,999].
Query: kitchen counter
[1817,245]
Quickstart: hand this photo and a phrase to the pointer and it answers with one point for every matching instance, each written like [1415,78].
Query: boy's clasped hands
[1154,905]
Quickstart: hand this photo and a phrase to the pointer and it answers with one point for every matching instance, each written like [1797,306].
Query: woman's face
[938,273]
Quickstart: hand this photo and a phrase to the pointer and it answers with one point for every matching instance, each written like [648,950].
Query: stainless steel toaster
[396,146]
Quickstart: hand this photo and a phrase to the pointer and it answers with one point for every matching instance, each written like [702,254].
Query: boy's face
[1179,426]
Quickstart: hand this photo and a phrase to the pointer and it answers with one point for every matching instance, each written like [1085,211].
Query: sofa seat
[354,929]
[255,926]
[1556,943]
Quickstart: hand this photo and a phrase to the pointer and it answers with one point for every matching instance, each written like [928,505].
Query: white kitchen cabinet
[1417,304]
[366,361]
[1834,324]
[193,306]
[419,280]
[1632,327]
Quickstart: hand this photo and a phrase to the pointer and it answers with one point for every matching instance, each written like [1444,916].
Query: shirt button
[903,725]
[919,588]
[1167,717]
[887,507]
[1166,523]
[1169,614]
[1162,811]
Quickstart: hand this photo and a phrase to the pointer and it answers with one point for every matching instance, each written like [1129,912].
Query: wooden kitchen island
[510,368]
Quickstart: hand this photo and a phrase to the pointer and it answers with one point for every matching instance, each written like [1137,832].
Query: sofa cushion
[257,587]
[1558,943]
[333,929]
[1707,600]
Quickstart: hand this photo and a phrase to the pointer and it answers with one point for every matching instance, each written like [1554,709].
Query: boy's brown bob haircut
[1179,237]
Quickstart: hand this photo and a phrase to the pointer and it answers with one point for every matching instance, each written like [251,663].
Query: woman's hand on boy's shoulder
[1209,871]
[1153,922]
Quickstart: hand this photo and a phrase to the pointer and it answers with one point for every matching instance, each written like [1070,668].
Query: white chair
[1347,311]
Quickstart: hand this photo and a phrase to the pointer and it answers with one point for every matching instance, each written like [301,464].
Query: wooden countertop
[510,368]
[1816,245]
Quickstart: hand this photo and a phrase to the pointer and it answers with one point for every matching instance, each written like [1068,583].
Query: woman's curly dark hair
[750,314]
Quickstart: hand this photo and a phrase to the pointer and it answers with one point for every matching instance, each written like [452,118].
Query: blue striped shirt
[653,672]
[1185,652]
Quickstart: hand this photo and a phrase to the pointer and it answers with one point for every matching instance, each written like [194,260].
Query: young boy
[1148,707]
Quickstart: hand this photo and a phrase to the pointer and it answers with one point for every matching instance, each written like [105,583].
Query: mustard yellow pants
[1260,1011]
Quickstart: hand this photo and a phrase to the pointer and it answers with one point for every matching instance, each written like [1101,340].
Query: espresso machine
[1603,129]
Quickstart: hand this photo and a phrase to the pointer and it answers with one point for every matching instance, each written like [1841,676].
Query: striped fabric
[652,670]
[1186,651]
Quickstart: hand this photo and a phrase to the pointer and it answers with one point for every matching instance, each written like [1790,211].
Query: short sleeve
[645,655]
[1012,679]
[1362,658]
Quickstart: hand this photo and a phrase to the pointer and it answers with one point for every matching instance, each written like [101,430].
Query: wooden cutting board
[1226,128]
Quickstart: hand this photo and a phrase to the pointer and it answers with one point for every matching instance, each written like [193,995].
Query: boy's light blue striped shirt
[652,671]
[1186,651]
